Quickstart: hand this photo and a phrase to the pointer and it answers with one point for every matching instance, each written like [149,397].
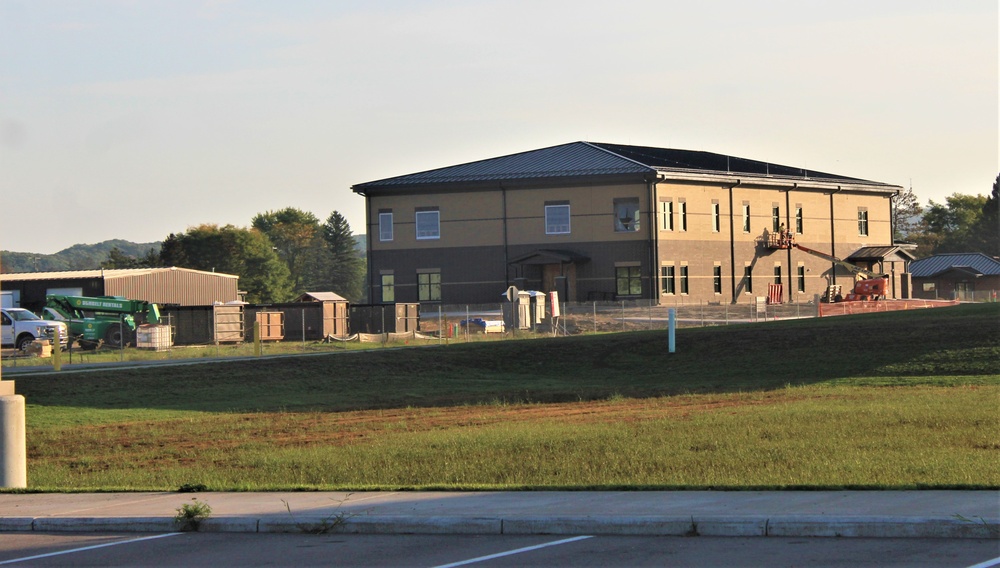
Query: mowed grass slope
[906,399]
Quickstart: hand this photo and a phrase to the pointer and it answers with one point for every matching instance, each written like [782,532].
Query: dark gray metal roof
[880,253]
[578,159]
[550,256]
[567,160]
[974,262]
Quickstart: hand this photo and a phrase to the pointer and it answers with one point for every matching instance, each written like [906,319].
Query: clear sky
[135,119]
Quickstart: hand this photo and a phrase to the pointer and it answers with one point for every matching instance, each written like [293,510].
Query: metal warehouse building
[178,286]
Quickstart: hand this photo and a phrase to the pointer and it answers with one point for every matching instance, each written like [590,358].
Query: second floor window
[557,219]
[775,218]
[798,220]
[682,209]
[385,226]
[626,215]
[715,218]
[428,225]
[863,222]
[746,218]
[666,215]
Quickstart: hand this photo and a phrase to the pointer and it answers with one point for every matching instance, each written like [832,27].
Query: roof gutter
[732,242]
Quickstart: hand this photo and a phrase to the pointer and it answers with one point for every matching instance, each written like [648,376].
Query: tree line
[279,256]
[963,223]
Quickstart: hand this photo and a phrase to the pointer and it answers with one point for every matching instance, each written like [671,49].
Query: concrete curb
[739,526]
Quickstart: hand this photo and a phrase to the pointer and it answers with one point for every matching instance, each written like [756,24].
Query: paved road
[201,549]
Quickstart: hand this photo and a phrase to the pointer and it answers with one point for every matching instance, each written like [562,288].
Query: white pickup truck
[20,327]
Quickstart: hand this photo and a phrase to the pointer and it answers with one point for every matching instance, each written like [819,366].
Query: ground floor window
[717,279]
[748,279]
[429,286]
[802,278]
[667,282]
[629,279]
[684,280]
[388,288]
[777,275]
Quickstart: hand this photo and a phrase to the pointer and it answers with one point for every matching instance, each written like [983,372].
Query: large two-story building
[607,221]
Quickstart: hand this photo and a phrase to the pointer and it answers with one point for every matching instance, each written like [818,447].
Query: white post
[13,440]
[672,325]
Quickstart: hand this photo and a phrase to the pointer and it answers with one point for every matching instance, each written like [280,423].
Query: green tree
[247,253]
[987,230]
[906,211]
[295,235]
[344,269]
[118,259]
[949,227]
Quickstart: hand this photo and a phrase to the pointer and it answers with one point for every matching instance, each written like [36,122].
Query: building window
[802,278]
[798,219]
[863,221]
[684,279]
[385,226]
[929,286]
[429,286]
[748,277]
[626,215]
[682,208]
[557,219]
[717,279]
[746,217]
[777,275]
[666,215]
[667,284]
[715,218]
[428,225]
[775,218]
[629,280]
[388,288]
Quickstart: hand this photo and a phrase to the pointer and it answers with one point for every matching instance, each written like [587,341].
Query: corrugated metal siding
[184,288]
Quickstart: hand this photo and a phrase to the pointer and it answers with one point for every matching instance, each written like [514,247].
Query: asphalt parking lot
[234,549]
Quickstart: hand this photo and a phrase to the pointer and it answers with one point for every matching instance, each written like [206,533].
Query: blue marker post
[672,326]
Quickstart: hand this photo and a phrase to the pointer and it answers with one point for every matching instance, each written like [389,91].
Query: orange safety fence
[867,307]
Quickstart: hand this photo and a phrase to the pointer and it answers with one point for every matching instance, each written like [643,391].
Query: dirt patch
[184,439]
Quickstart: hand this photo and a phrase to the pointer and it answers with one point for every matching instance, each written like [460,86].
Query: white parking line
[511,552]
[26,558]
[988,563]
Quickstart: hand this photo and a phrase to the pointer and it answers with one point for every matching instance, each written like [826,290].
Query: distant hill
[88,257]
[76,257]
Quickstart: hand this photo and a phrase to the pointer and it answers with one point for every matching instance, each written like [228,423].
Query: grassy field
[894,400]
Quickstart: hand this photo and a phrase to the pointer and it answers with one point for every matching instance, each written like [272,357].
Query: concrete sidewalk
[885,514]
